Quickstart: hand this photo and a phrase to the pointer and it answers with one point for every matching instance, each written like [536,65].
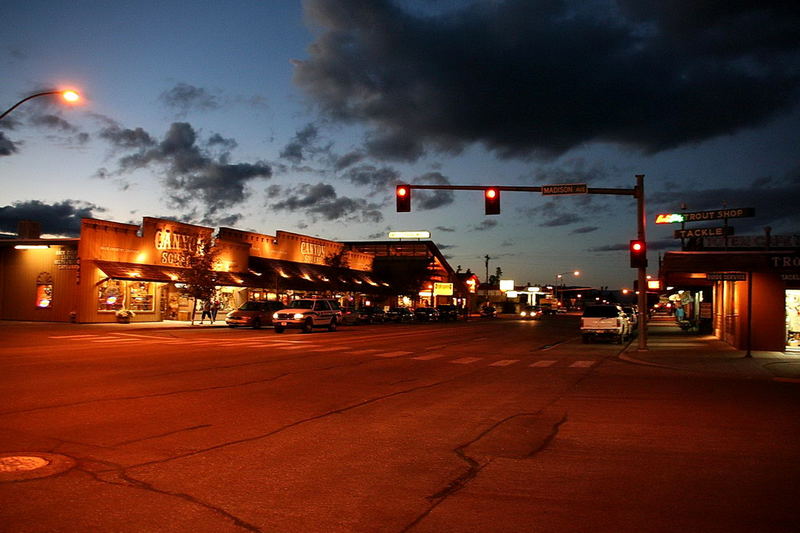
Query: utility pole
[487,267]
[641,223]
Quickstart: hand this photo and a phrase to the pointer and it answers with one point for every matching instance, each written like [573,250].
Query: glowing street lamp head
[70,96]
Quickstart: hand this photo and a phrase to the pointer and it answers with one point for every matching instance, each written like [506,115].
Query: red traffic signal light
[638,251]
[492,197]
[403,194]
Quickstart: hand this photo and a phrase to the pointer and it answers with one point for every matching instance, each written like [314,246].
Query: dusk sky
[303,116]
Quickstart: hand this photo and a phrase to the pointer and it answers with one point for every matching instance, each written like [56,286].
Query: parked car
[308,314]
[426,314]
[371,315]
[399,314]
[530,312]
[447,312]
[349,316]
[253,314]
[605,321]
[632,315]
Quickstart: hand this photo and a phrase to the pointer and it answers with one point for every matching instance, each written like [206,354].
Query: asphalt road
[486,426]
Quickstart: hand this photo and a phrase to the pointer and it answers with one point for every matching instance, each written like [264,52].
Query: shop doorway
[793,320]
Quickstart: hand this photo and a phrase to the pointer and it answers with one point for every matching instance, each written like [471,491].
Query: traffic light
[492,197]
[403,194]
[638,251]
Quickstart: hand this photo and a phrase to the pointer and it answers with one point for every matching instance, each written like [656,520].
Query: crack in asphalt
[124,480]
[474,466]
[127,480]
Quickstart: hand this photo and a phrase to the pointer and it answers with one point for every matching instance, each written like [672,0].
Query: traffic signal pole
[637,192]
[641,226]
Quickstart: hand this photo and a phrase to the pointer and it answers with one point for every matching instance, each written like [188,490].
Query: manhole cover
[21,466]
[22,463]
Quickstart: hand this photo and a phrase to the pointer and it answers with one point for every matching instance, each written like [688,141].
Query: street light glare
[70,96]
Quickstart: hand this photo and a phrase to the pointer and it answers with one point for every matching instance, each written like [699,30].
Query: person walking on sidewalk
[206,312]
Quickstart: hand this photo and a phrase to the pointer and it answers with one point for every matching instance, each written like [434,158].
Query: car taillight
[619,322]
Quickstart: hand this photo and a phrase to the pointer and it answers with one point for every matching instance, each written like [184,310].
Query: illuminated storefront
[754,294]
[139,270]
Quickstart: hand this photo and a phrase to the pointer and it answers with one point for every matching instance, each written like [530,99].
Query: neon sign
[670,218]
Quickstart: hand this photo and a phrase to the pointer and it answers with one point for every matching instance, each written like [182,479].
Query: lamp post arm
[13,107]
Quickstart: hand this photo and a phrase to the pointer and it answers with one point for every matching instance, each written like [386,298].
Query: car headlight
[298,316]
[275,316]
[523,313]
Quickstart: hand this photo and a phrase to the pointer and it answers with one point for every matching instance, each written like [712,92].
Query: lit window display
[110,295]
[141,296]
[44,290]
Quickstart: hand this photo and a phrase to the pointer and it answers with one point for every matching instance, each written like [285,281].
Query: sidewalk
[671,347]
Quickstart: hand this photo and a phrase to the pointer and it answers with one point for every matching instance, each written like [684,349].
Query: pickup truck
[605,321]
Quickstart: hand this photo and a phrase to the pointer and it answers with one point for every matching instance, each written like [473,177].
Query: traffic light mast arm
[591,190]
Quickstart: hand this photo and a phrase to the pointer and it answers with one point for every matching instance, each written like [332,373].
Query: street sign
[726,276]
[720,231]
[564,188]
[698,216]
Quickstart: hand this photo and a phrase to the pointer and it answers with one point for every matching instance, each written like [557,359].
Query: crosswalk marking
[71,336]
[116,339]
[582,364]
[544,363]
[429,356]
[466,360]
[392,354]
[364,352]
[329,349]
[505,362]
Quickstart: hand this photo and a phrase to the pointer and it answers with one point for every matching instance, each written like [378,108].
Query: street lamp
[68,95]
[560,278]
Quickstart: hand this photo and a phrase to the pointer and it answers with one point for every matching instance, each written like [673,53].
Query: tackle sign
[703,232]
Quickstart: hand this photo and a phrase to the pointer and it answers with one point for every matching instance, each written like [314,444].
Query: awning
[272,274]
[166,274]
[283,275]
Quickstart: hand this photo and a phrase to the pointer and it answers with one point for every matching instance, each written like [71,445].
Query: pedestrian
[215,305]
[206,312]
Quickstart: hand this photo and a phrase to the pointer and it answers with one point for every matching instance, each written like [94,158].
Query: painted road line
[72,336]
[116,339]
[505,362]
[392,354]
[329,349]
[363,352]
[429,356]
[543,363]
[466,360]
[582,364]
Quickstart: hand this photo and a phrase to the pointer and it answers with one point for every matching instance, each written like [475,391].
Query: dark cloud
[347,160]
[377,180]
[7,146]
[775,201]
[184,98]
[321,202]
[53,122]
[62,218]
[445,229]
[192,175]
[302,145]
[563,219]
[539,78]
[485,225]
[432,199]
[584,229]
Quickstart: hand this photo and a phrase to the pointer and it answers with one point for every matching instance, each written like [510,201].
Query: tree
[200,279]
[495,279]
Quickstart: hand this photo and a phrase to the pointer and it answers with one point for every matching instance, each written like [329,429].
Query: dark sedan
[426,314]
[399,314]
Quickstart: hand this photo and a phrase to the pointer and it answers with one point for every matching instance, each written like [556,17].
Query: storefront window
[793,319]
[141,296]
[110,295]
[44,290]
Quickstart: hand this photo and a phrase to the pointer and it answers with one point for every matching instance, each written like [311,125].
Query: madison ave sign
[564,188]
